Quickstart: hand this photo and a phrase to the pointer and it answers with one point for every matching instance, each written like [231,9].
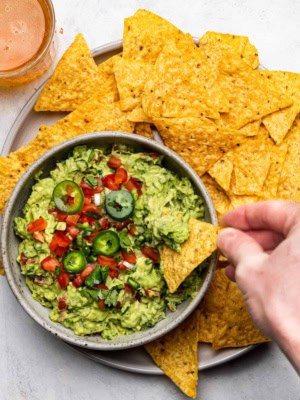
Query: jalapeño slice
[68,197]
[106,243]
[74,261]
[119,205]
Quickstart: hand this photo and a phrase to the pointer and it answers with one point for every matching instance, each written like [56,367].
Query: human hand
[263,248]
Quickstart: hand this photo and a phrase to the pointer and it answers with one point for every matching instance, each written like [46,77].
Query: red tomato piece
[132,230]
[59,239]
[87,200]
[101,286]
[101,304]
[91,208]
[109,261]
[114,273]
[62,303]
[134,184]
[49,264]
[78,281]
[73,231]
[72,219]
[61,216]
[121,176]
[37,226]
[151,253]
[39,236]
[127,288]
[63,279]
[104,223]
[109,182]
[87,271]
[129,257]
[122,267]
[114,162]
[121,225]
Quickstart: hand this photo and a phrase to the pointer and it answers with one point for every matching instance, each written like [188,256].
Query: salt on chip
[216,41]
[202,242]
[74,80]
[144,129]
[221,171]
[289,183]
[177,355]
[251,166]
[198,140]
[251,95]
[184,83]
[279,123]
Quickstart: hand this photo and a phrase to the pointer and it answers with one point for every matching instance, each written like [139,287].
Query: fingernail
[225,235]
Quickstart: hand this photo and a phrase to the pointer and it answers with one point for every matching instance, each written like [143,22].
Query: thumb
[237,246]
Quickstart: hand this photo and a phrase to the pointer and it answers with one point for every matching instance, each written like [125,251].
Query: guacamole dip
[91,234]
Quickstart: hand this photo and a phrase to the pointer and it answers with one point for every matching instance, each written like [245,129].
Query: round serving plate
[135,360]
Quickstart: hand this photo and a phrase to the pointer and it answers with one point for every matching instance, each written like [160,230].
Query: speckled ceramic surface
[9,241]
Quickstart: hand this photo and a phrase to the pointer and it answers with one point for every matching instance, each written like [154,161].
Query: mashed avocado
[110,283]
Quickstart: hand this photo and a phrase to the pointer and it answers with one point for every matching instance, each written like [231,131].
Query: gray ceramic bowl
[10,243]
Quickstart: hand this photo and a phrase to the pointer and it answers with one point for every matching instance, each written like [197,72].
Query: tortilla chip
[74,80]
[251,166]
[240,45]
[239,201]
[2,273]
[107,80]
[138,115]
[198,140]
[279,123]
[217,194]
[289,183]
[201,243]
[177,355]
[221,171]
[144,129]
[251,129]
[10,172]
[183,83]
[251,95]
[224,320]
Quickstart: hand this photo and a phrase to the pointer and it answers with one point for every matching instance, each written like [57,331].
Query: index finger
[276,215]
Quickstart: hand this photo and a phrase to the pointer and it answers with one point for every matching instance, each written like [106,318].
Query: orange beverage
[26,40]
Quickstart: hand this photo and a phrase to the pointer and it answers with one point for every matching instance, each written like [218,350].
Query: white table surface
[36,366]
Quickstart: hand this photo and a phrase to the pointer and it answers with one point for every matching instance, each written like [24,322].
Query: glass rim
[29,65]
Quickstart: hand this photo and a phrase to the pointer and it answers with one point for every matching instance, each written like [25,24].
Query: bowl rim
[69,336]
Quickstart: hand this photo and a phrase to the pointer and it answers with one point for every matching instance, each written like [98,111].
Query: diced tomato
[104,223]
[61,216]
[114,162]
[132,230]
[121,266]
[91,208]
[72,219]
[60,251]
[87,271]
[127,288]
[92,235]
[101,286]
[49,264]
[88,190]
[133,184]
[101,304]
[73,231]
[113,273]
[63,279]
[78,281]
[23,258]
[109,182]
[151,253]
[121,225]
[59,239]
[37,226]
[109,261]
[129,257]
[87,200]
[62,303]
[39,236]
[121,176]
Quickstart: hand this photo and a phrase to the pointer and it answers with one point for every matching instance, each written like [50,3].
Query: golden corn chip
[138,115]
[251,166]
[221,171]
[177,355]
[183,83]
[144,129]
[198,140]
[289,183]
[1,269]
[107,80]
[217,194]
[145,34]
[279,123]
[131,77]
[278,155]
[74,80]
[224,42]
[10,172]
[201,243]
[251,94]
[239,201]
[251,129]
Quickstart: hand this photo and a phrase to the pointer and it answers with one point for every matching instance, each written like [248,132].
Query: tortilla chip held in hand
[201,243]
